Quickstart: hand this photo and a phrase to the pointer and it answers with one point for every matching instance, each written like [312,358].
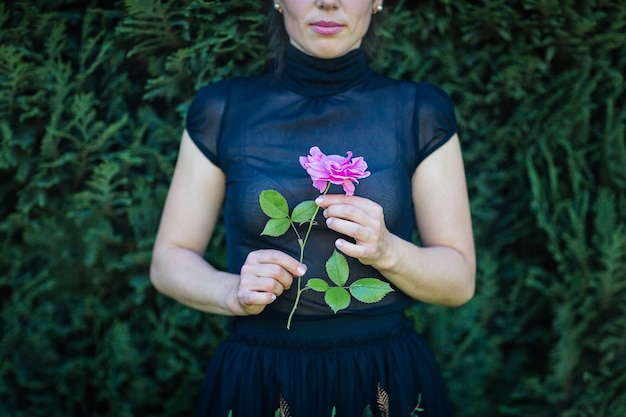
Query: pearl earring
[278,8]
[378,9]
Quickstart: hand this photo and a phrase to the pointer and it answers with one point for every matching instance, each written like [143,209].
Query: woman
[244,136]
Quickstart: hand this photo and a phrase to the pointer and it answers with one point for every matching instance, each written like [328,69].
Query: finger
[288,263]
[276,273]
[347,212]
[366,230]
[324,201]
[359,210]
[353,250]
[348,228]
[257,290]
[250,299]
[261,284]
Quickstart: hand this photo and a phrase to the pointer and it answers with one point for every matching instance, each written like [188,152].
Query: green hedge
[92,99]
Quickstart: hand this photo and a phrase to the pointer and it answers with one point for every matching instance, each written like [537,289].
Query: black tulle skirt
[355,365]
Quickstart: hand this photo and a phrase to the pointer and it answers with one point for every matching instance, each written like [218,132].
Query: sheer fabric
[254,129]
[348,362]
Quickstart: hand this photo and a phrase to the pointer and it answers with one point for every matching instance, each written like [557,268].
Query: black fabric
[347,363]
[313,77]
[254,129]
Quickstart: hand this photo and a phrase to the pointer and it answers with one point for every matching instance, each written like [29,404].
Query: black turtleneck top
[255,129]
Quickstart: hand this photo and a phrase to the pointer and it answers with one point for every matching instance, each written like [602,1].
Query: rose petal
[336,169]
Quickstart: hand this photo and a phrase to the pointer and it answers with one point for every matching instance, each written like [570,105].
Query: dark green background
[92,99]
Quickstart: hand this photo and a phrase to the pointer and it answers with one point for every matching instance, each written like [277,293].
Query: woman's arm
[442,271]
[190,214]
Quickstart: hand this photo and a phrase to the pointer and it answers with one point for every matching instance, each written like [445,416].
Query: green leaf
[317,284]
[273,204]
[337,298]
[367,412]
[337,268]
[369,290]
[276,227]
[304,212]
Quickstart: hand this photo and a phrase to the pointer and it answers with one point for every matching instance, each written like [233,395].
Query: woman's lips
[326,28]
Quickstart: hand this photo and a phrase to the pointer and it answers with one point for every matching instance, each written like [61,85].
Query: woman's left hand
[364,221]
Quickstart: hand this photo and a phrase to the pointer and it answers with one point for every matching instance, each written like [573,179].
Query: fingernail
[273,297]
[319,200]
[301,270]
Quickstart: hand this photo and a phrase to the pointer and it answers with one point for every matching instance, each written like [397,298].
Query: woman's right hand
[264,276]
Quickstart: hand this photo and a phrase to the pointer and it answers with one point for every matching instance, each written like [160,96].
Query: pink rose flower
[334,169]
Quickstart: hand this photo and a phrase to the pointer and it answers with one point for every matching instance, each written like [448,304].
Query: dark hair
[278,38]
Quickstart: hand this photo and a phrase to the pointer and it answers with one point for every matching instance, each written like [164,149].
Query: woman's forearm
[186,277]
[436,275]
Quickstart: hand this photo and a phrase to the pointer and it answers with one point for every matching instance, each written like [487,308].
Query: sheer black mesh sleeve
[204,119]
[435,119]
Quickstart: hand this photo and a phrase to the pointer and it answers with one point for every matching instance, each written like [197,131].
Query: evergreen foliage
[92,99]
